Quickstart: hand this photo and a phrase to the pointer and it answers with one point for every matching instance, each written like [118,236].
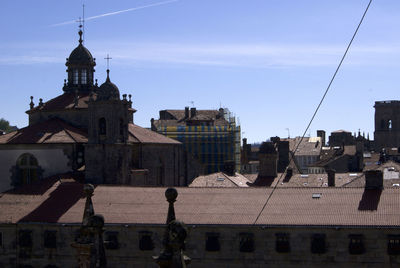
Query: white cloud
[148,54]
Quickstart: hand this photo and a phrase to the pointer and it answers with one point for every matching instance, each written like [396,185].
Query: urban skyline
[268,62]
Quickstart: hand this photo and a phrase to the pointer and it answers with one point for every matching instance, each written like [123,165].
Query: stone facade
[90,129]
[387,124]
[210,245]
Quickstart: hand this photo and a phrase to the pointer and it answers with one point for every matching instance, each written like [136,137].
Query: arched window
[390,124]
[27,166]
[83,76]
[75,76]
[102,126]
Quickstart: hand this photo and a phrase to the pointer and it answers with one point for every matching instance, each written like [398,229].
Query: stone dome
[108,90]
[81,55]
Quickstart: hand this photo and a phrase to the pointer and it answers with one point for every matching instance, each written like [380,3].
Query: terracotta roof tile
[64,101]
[62,202]
[50,131]
[141,135]
[220,179]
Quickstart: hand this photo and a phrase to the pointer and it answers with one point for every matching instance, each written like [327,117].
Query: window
[27,169]
[390,124]
[393,247]
[25,238]
[75,76]
[282,244]
[102,126]
[145,241]
[83,76]
[212,242]
[246,243]
[356,244]
[111,240]
[50,239]
[318,245]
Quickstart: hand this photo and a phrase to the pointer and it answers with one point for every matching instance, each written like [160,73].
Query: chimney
[192,112]
[229,168]
[289,173]
[321,134]
[186,112]
[373,179]
[268,160]
[331,177]
[283,158]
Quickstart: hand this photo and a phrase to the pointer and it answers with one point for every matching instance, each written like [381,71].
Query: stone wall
[130,249]
[52,159]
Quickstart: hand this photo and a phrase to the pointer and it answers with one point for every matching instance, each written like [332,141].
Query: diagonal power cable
[317,109]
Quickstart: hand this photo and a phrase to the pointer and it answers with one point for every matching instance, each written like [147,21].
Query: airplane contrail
[115,12]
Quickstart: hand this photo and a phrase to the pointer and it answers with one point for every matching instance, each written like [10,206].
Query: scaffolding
[211,145]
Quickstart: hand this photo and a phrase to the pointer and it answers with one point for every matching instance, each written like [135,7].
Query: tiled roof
[180,120]
[50,131]
[64,101]
[308,146]
[141,135]
[63,202]
[220,179]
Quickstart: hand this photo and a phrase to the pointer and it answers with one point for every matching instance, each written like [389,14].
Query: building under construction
[211,136]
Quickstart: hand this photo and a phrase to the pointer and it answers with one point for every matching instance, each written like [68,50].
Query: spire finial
[81,21]
[31,104]
[108,75]
[80,37]
[108,58]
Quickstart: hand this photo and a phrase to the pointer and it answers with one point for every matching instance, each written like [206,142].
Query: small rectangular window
[282,243]
[84,77]
[146,240]
[75,76]
[246,243]
[318,244]
[25,238]
[50,239]
[393,246]
[356,244]
[111,240]
[212,242]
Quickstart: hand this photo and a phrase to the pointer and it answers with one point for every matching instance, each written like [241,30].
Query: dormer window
[75,76]
[84,77]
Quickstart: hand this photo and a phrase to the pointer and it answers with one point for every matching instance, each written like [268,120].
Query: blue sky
[268,61]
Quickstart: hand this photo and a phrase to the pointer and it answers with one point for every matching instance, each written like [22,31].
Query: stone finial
[96,84]
[40,102]
[88,190]
[172,255]
[124,97]
[130,96]
[31,104]
[65,82]
[89,244]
